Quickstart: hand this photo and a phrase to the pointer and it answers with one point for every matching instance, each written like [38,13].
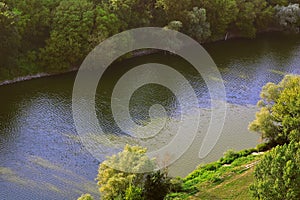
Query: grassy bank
[228,178]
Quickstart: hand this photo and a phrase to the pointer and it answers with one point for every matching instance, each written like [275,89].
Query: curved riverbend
[41,156]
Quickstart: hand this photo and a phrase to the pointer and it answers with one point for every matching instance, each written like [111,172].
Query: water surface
[41,156]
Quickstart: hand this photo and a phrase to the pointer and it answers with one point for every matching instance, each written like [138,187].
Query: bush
[212,166]
[229,157]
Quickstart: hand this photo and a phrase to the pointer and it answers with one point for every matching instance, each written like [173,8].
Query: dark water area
[41,155]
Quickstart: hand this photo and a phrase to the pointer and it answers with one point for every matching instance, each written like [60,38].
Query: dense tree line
[56,35]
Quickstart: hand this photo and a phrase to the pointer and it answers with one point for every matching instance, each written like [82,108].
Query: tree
[252,16]
[106,24]
[122,171]
[196,25]
[279,118]
[192,20]
[35,22]
[68,44]
[220,14]
[277,176]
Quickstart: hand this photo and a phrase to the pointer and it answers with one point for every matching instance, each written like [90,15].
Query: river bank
[35,76]
[227,37]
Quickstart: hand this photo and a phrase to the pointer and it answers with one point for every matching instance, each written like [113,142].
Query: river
[41,156]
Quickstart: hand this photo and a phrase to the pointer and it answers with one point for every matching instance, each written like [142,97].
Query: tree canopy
[52,35]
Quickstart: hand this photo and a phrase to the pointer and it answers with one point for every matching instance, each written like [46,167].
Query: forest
[55,36]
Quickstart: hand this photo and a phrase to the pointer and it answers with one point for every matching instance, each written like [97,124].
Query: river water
[41,156]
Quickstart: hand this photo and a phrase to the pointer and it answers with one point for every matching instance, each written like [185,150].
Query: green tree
[196,24]
[253,15]
[106,24]
[220,14]
[277,176]
[72,24]
[193,19]
[122,171]
[35,22]
[279,117]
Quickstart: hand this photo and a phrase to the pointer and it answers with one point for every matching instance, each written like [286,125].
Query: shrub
[229,157]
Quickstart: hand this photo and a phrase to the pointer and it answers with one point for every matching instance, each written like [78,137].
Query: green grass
[235,187]
[228,178]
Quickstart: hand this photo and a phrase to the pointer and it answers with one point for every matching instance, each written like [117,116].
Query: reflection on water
[41,156]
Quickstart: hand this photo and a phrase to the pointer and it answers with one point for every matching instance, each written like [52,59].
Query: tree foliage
[56,35]
[122,171]
[72,24]
[220,14]
[279,117]
[130,175]
[196,24]
[277,176]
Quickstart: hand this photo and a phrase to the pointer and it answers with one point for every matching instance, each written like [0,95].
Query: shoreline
[229,37]
[34,76]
